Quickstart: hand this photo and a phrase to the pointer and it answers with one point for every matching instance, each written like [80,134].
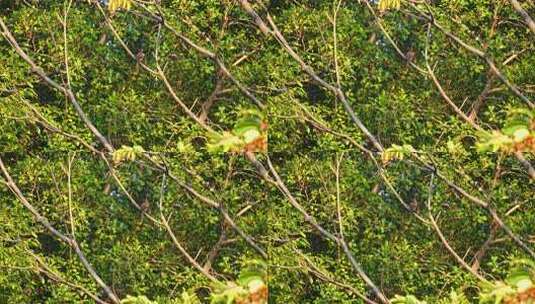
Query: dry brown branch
[212,255]
[522,12]
[111,171]
[204,52]
[476,106]
[263,172]
[108,146]
[529,168]
[218,206]
[340,241]
[315,123]
[210,101]
[335,44]
[338,208]
[410,61]
[178,245]
[480,203]
[478,256]
[490,75]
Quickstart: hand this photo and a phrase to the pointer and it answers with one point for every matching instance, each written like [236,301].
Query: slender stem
[67,91]
[443,239]
[68,241]
[529,21]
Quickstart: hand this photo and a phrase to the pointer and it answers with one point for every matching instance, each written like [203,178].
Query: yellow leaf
[114,5]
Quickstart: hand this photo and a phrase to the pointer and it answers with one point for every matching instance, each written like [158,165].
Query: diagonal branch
[479,53]
[45,269]
[338,240]
[274,31]
[64,238]
[529,21]
[481,203]
[443,239]
[471,122]
[65,90]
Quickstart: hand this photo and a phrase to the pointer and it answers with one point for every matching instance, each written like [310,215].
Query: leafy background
[132,108]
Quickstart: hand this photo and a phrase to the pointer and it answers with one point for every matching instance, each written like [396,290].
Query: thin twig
[46,270]
[443,239]
[479,53]
[274,31]
[529,21]
[178,245]
[68,241]
[338,211]
[529,168]
[480,203]
[69,188]
[322,275]
[335,44]
[67,91]
[391,40]
[312,221]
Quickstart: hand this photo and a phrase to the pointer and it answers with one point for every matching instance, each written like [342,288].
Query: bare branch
[443,239]
[480,203]
[481,54]
[322,275]
[274,31]
[529,21]
[391,41]
[46,270]
[67,240]
[178,245]
[312,221]
[67,91]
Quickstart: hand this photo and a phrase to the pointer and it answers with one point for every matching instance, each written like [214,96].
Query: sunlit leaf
[114,5]
[389,4]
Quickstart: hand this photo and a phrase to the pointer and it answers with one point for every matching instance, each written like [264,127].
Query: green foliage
[248,134]
[136,300]
[250,287]
[457,298]
[309,132]
[396,152]
[126,153]
[518,134]
[518,287]
[406,300]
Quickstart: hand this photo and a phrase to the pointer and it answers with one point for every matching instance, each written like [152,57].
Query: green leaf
[495,293]
[126,153]
[137,300]
[410,299]
[224,142]
[396,152]
[520,279]
[492,142]
[250,135]
[520,134]
[511,129]
[389,4]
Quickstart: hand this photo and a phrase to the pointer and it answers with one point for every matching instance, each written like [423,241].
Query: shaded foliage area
[181,196]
